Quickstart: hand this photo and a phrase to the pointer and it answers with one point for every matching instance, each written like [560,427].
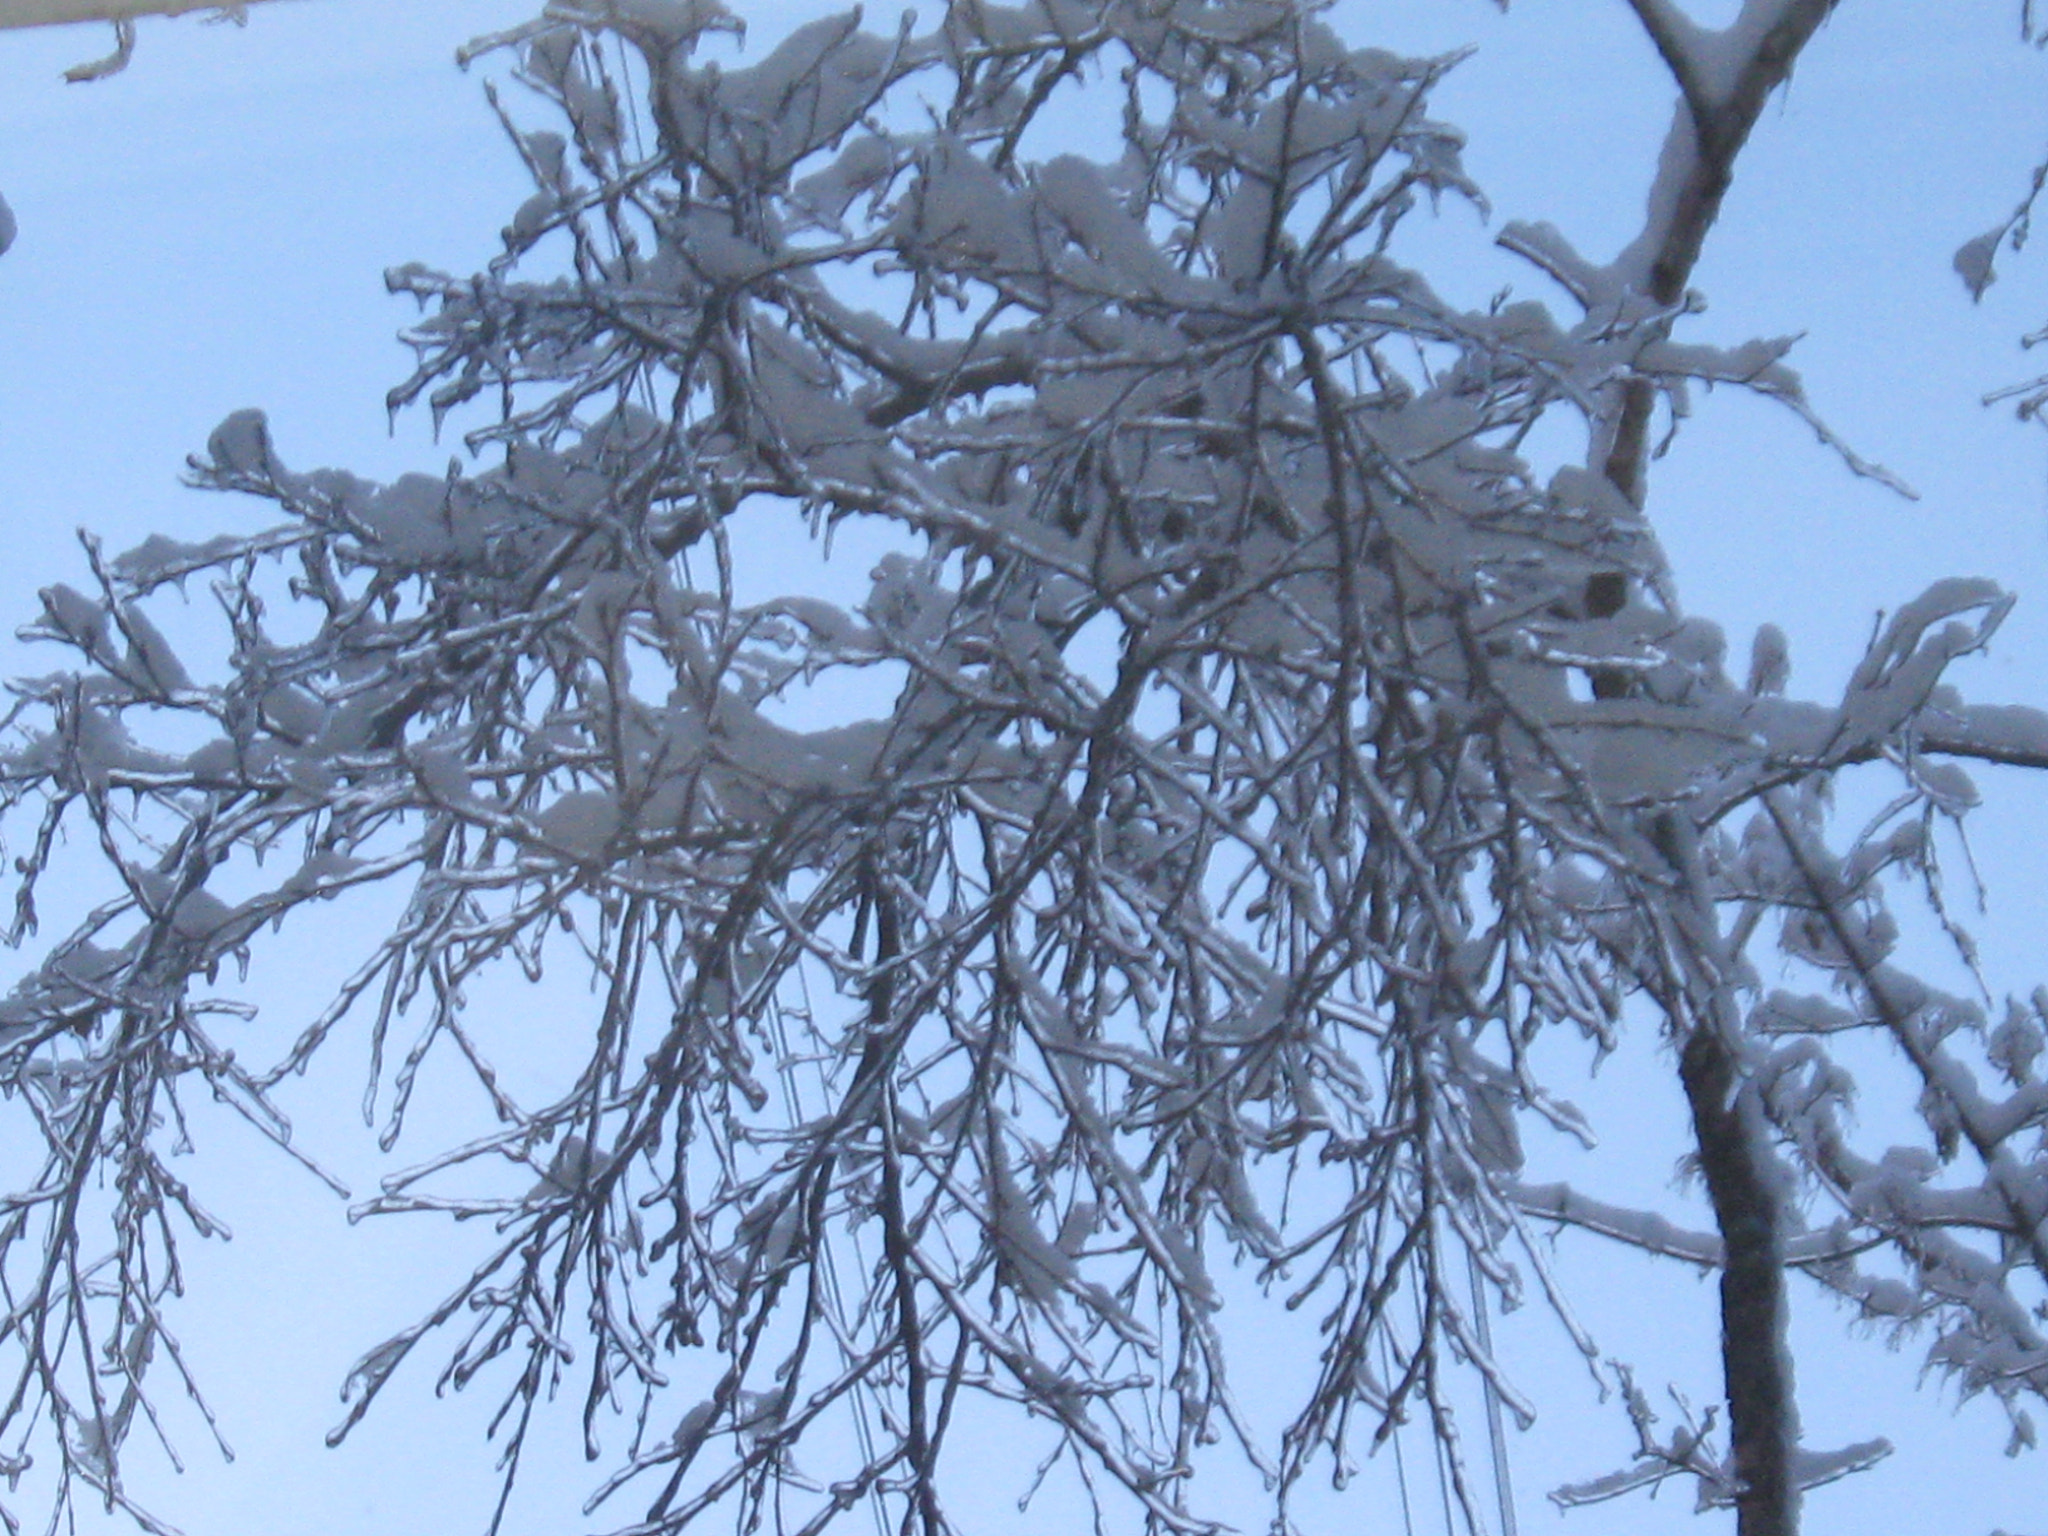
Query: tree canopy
[1160,890]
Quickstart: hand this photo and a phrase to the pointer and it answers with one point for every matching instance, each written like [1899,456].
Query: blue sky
[207,231]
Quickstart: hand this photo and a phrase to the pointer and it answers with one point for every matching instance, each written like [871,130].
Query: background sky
[207,231]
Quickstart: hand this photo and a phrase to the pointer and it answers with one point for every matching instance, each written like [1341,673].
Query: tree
[1268,766]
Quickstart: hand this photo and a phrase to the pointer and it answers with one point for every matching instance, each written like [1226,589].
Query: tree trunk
[1712,125]
[1762,1416]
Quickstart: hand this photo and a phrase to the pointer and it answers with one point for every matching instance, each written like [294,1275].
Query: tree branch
[1695,171]
[1675,37]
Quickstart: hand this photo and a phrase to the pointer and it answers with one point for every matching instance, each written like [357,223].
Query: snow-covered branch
[1229,787]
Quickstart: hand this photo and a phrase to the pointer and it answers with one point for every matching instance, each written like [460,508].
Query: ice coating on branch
[1974,261]
[1898,676]
[1770,661]
[1237,792]
[240,446]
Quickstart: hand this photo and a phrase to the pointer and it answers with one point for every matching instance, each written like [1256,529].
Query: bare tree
[1266,759]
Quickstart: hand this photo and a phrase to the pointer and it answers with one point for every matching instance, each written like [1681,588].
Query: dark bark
[1719,128]
[1734,1153]
[1735,1162]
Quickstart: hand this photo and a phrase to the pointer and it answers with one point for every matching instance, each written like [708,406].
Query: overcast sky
[207,231]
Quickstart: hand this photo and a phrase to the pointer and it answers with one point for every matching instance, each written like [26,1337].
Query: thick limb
[1716,112]
[1736,1162]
